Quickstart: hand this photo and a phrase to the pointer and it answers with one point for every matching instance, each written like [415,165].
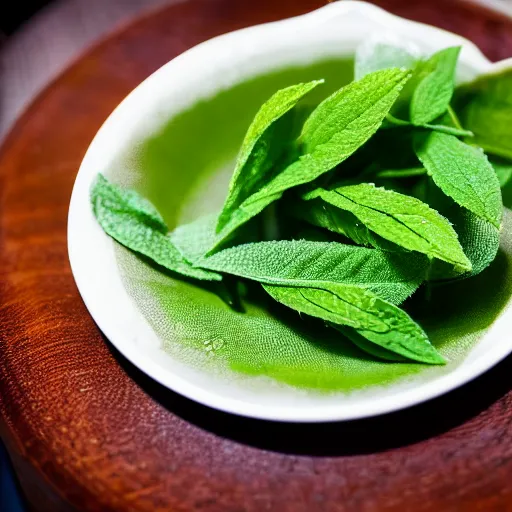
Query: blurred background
[12,15]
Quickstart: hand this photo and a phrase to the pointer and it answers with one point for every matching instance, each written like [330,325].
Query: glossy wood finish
[88,431]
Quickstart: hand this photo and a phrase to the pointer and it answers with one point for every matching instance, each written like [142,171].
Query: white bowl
[216,65]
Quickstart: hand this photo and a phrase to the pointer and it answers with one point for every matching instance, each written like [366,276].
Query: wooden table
[87,431]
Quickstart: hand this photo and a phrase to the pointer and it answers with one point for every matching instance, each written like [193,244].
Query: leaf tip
[464,266]
[437,359]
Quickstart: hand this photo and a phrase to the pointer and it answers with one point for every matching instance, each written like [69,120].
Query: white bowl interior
[144,132]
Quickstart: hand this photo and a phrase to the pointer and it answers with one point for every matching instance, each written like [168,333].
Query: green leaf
[401,219]
[503,170]
[335,129]
[355,111]
[135,223]
[376,320]
[485,107]
[267,139]
[433,93]
[479,238]
[393,276]
[319,213]
[463,173]
[374,55]
[194,239]
[106,195]
[367,346]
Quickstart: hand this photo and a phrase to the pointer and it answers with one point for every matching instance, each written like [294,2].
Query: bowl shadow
[357,437]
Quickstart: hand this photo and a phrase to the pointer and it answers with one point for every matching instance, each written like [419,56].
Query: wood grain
[87,431]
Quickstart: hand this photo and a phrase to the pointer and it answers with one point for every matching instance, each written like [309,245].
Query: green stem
[398,122]
[454,118]
[458,132]
[401,173]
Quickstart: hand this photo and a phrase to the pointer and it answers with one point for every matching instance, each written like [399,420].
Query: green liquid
[196,324]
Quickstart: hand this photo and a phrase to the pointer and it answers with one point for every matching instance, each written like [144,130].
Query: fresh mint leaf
[355,111]
[485,107]
[135,223]
[193,240]
[479,239]
[322,214]
[367,346]
[267,139]
[393,276]
[335,129]
[401,219]
[107,195]
[372,318]
[463,173]
[434,91]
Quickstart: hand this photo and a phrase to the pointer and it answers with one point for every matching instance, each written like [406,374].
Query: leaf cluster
[391,182]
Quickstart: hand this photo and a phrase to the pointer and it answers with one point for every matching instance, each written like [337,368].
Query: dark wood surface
[53,38]
[88,431]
